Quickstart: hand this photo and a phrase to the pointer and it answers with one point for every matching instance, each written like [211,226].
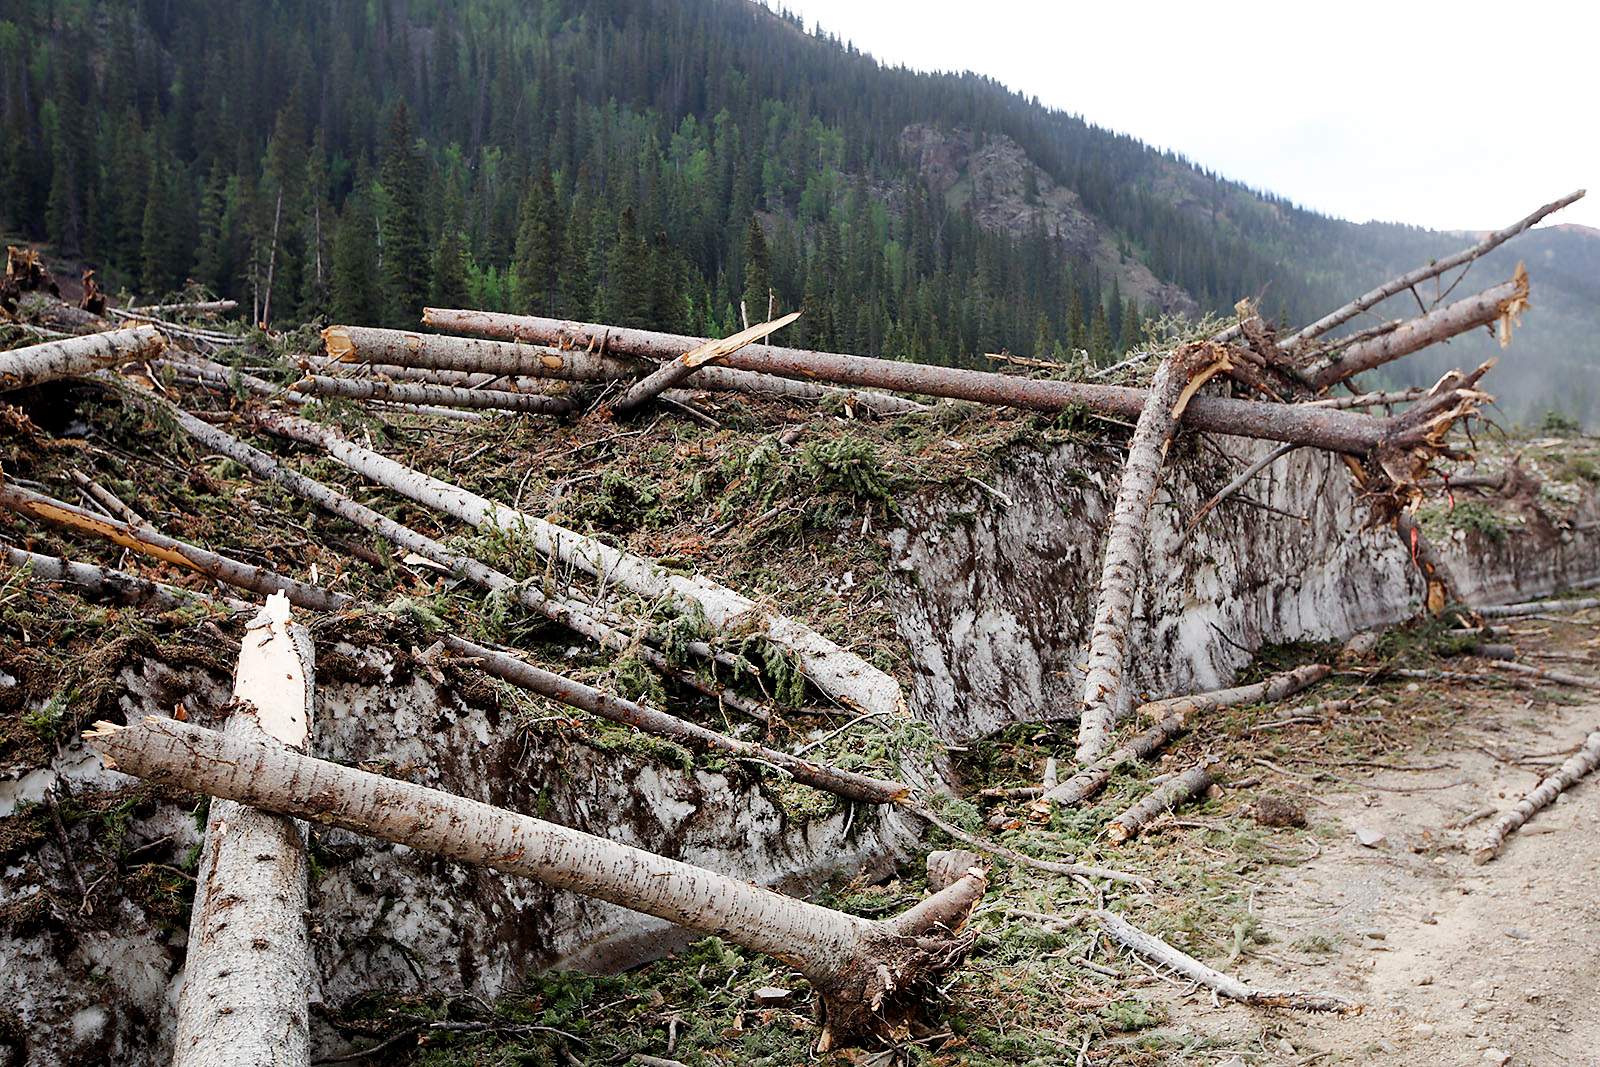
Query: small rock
[1370,838]
[769,995]
[1424,1030]
[1518,932]
[1426,979]
[1376,935]
[1277,810]
[1496,1057]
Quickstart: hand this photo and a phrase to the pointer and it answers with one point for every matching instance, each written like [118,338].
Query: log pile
[871,976]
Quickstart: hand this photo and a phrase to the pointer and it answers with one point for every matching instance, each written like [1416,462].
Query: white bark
[77,355]
[841,674]
[1582,763]
[1537,607]
[1174,382]
[107,582]
[676,370]
[247,979]
[449,396]
[1166,796]
[854,963]
[1159,952]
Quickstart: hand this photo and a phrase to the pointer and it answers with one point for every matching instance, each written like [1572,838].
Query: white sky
[1448,115]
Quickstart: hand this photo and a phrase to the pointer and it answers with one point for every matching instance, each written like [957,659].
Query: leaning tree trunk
[1179,375]
[841,674]
[676,370]
[246,982]
[77,355]
[866,972]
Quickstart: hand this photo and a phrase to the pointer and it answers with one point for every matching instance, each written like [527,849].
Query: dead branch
[76,356]
[1338,431]
[868,974]
[1582,763]
[1239,483]
[1093,778]
[1163,954]
[1537,607]
[1559,677]
[995,848]
[1175,382]
[107,583]
[247,976]
[1166,796]
[1342,315]
[1371,400]
[1502,303]
[677,369]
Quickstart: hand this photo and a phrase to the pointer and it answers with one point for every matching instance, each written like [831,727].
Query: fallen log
[677,369]
[1094,777]
[1340,316]
[1537,607]
[151,542]
[440,395]
[1166,796]
[841,674]
[197,370]
[1176,380]
[868,974]
[1577,681]
[1338,431]
[75,356]
[1371,400]
[198,307]
[1159,952]
[107,583]
[1502,304]
[995,848]
[365,344]
[247,974]
[1582,763]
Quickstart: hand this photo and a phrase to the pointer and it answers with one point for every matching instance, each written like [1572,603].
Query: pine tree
[536,251]
[1077,334]
[757,273]
[449,271]
[1129,335]
[1099,335]
[405,255]
[357,295]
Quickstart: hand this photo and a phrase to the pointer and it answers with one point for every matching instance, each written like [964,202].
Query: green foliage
[1559,424]
[847,464]
[1468,515]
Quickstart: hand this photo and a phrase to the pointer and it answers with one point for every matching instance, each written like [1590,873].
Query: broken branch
[1576,766]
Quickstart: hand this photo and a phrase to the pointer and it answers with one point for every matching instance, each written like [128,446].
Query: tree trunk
[1175,381]
[75,356]
[1338,431]
[1537,607]
[1335,319]
[866,972]
[1166,796]
[1576,766]
[1094,777]
[1371,400]
[364,344]
[247,978]
[842,675]
[676,370]
[195,370]
[1159,952]
[151,542]
[442,395]
[1503,302]
[107,583]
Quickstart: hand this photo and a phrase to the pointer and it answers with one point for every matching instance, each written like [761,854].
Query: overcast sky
[1449,115]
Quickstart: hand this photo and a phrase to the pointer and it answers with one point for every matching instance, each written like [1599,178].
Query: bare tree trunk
[272,260]
[1338,431]
[1335,319]
[202,307]
[1094,777]
[107,583]
[1537,607]
[364,344]
[196,370]
[676,370]
[443,395]
[1502,303]
[1166,796]
[150,542]
[1175,381]
[1371,400]
[1577,766]
[864,971]
[75,356]
[841,674]
[1159,952]
[247,978]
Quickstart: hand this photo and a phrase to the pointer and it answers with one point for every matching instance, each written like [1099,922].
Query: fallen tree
[869,975]
[1338,431]
[106,583]
[1179,375]
[1165,797]
[74,356]
[841,674]
[428,394]
[1575,767]
[247,974]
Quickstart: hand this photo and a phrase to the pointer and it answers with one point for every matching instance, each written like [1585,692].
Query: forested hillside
[644,162]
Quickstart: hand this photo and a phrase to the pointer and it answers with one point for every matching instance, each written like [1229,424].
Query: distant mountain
[658,162]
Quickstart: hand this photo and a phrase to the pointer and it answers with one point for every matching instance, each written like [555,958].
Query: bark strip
[857,965]
[1581,763]
[247,976]
[75,356]
[841,674]
[1174,383]
[1159,952]
[1338,431]
[1165,797]
[676,370]
[1501,303]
